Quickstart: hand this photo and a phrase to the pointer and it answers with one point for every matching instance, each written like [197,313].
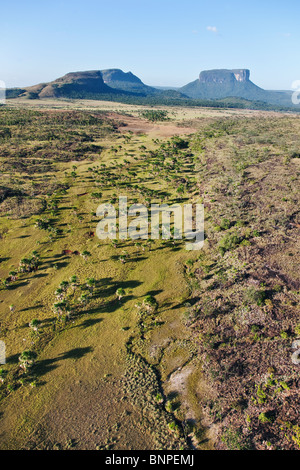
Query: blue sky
[166,42]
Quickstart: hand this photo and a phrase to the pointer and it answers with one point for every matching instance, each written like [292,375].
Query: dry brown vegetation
[247,282]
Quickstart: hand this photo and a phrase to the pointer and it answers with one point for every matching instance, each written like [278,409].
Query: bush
[234,440]
[150,302]
[256,296]
[266,417]
[225,224]
[297,330]
[229,242]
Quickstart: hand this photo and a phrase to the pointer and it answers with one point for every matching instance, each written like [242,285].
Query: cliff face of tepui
[224,76]
[126,81]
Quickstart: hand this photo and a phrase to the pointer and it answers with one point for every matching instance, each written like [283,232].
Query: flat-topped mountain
[93,84]
[224,83]
[74,83]
[222,76]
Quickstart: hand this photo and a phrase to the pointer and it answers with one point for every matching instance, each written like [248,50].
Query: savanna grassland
[123,344]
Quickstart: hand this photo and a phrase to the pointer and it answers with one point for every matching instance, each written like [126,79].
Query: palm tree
[150,303]
[64,285]
[90,283]
[60,307]
[23,265]
[13,275]
[74,282]
[59,294]
[120,293]
[85,254]
[83,299]
[34,325]
[26,359]
[122,258]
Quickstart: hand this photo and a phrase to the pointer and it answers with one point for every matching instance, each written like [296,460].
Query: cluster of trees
[154,115]
[26,265]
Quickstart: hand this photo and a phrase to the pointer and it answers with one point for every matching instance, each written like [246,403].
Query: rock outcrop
[224,75]
[126,81]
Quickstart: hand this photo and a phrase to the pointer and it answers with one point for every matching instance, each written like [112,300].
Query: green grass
[91,344]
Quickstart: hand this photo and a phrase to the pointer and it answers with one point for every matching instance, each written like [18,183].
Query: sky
[163,42]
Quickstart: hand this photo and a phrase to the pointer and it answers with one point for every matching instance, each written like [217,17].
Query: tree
[13,275]
[85,254]
[59,294]
[83,299]
[122,258]
[64,286]
[74,282]
[60,308]
[120,293]
[150,303]
[34,325]
[26,359]
[90,283]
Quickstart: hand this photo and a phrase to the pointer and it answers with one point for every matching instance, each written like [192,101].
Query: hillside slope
[116,78]
[95,84]
[74,83]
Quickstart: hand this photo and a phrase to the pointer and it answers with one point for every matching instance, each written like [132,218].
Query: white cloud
[213,29]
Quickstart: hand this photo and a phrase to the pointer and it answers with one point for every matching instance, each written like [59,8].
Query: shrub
[96,195]
[150,302]
[297,330]
[234,440]
[266,417]
[284,334]
[257,296]
[229,242]
[26,359]
[225,224]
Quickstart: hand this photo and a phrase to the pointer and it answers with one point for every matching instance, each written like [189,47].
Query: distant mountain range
[102,84]
[93,84]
